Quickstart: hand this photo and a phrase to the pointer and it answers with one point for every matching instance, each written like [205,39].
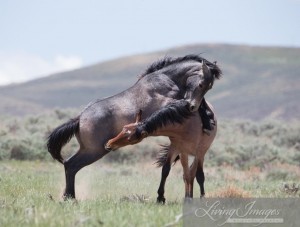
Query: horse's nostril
[192,108]
[107,147]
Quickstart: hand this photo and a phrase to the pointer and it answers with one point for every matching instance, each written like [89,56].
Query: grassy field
[247,159]
[118,194]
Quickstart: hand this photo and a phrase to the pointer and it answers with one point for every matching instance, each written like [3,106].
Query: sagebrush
[242,144]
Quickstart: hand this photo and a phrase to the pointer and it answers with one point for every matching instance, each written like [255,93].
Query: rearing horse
[188,77]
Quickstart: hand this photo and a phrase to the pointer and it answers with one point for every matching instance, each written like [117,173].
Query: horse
[164,81]
[178,123]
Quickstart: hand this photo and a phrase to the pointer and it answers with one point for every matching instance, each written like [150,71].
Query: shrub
[281,174]
[230,191]
[241,144]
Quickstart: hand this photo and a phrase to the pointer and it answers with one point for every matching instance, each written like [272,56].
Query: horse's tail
[61,136]
[162,156]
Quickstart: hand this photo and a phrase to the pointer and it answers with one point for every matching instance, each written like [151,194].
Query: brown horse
[184,130]
[165,81]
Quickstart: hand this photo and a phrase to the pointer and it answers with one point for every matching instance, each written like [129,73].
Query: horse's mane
[167,61]
[175,112]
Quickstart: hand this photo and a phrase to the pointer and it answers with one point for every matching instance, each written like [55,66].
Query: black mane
[175,112]
[169,61]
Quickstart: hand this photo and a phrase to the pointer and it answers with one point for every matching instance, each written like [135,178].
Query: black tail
[162,156]
[61,136]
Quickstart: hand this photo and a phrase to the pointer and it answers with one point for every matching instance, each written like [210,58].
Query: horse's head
[197,85]
[128,136]
[192,74]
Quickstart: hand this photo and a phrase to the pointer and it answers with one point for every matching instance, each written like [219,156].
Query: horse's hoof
[161,200]
[188,199]
[67,197]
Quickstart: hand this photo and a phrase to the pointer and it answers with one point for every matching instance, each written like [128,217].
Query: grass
[30,195]
[114,194]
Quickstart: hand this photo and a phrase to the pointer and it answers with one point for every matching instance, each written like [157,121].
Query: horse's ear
[138,116]
[205,68]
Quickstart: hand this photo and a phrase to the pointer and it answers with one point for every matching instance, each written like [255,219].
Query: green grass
[30,195]
[112,194]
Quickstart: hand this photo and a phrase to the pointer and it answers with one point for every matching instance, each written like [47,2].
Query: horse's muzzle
[108,148]
[193,107]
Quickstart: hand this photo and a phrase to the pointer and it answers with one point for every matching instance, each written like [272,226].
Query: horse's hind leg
[171,156]
[81,159]
[164,174]
[200,179]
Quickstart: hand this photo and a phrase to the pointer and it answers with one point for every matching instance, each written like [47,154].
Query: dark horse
[184,130]
[170,79]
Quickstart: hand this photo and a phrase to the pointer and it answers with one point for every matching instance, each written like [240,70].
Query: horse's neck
[173,129]
[159,83]
[153,92]
[168,131]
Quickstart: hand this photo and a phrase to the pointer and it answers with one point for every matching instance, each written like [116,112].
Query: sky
[41,37]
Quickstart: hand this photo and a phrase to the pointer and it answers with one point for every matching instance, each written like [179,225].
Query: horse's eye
[200,85]
[128,132]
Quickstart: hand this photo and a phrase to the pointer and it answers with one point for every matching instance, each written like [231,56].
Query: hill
[257,82]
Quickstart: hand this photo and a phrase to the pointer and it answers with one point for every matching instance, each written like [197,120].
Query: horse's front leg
[186,175]
[193,170]
[189,173]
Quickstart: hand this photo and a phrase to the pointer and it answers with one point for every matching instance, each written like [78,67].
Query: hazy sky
[39,37]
